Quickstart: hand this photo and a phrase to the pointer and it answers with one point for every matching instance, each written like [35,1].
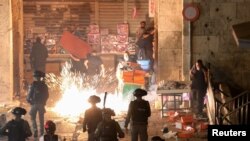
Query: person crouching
[50,128]
[108,129]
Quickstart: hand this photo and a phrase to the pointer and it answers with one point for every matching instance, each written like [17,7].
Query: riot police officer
[17,129]
[92,117]
[50,128]
[138,113]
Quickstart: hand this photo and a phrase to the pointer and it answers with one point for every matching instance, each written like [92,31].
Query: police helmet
[50,126]
[108,111]
[38,74]
[94,99]
[19,111]
[165,130]
[139,92]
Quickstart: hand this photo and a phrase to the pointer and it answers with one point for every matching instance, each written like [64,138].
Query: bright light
[73,102]
[77,88]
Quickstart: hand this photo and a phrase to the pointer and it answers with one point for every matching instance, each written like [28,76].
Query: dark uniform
[198,87]
[108,129]
[38,56]
[17,129]
[138,113]
[37,97]
[92,117]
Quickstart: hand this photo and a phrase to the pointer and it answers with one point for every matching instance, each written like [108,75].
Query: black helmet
[19,111]
[94,99]
[165,130]
[108,111]
[140,92]
[38,74]
[50,127]
[38,39]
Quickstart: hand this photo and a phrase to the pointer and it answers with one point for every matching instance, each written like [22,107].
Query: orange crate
[187,119]
[139,78]
[139,82]
[172,119]
[127,73]
[185,134]
[203,125]
[139,72]
[128,79]
[170,113]
[134,65]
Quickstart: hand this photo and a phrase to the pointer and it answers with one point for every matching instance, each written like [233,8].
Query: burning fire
[77,88]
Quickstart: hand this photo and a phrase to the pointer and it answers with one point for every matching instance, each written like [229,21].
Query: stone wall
[213,41]
[169,24]
[6,61]
[17,23]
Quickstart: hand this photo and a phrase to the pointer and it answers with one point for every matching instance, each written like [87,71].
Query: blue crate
[145,64]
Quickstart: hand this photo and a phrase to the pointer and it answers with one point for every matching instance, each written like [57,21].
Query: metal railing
[230,110]
[237,108]
[218,102]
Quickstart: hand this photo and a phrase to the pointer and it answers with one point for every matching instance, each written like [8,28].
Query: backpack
[39,94]
[108,131]
[18,130]
[140,111]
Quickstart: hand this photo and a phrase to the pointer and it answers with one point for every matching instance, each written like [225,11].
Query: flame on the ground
[76,89]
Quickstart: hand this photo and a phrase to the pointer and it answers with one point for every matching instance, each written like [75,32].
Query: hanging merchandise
[134,13]
[151,8]
[122,29]
[94,39]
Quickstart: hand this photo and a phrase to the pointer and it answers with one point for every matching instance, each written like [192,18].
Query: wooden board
[173,91]
[75,45]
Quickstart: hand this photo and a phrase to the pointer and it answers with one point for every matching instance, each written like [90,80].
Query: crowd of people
[98,123]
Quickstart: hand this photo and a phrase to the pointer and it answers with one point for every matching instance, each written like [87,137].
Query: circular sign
[191,12]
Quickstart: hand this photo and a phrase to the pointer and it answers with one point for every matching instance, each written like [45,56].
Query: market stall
[174,96]
[131,79]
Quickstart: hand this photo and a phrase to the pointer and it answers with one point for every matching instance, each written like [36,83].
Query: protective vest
[108,131]
[38,93]
[140,112]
